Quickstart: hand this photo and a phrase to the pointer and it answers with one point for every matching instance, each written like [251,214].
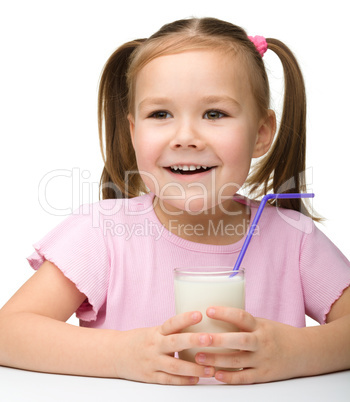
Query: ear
[132,128]
[266,133]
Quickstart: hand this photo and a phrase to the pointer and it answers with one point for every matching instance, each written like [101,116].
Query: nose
[187,137]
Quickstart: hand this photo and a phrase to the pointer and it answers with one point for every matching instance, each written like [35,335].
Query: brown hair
[280,170]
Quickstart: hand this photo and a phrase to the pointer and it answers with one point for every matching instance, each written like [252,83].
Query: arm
[34,336]
[331,342]
[271,351]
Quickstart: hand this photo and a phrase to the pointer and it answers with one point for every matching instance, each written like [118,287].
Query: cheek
[237,150]
[238,138]
[145,151]
[237,157]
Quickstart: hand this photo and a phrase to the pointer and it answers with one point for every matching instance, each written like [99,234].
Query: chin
[190,206]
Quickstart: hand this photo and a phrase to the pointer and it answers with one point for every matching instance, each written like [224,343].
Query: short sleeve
[77,247]
[325,274]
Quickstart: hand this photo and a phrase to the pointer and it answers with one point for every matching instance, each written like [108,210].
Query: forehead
[207,71]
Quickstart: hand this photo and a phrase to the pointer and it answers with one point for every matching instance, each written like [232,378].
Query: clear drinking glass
[198,288]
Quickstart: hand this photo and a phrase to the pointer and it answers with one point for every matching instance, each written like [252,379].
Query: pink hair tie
[259,43]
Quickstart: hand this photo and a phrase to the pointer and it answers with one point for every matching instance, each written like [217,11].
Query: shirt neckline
[206,248]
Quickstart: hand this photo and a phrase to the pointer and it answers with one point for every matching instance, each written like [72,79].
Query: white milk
[194,293]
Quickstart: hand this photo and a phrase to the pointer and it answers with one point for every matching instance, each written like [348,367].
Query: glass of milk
[198,288]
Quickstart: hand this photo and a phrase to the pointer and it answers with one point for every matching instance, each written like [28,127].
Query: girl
[184,113]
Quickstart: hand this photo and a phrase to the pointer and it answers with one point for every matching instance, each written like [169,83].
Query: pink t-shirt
[121,257]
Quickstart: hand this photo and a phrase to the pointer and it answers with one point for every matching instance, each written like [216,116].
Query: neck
[225,223]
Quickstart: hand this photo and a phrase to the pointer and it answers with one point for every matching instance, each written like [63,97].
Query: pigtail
[120,178]
[283,170]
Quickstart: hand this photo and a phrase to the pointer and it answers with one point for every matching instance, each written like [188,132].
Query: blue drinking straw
[256,219]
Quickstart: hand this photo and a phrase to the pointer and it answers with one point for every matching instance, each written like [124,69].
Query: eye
[214,115]
[160,114]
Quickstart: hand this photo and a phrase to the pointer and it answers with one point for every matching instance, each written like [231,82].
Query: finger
[172,365]
[246,376]
[179,322]
[178,342]
[234,360]
[241,318]
[169,379]
[245,341]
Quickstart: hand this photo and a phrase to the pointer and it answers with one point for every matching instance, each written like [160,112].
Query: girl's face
[196,128]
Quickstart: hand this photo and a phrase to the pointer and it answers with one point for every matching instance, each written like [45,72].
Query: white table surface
[25,386]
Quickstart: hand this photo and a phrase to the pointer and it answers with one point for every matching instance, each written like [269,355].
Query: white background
[52,53]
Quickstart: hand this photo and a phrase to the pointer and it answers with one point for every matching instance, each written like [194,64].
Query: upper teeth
[188,167]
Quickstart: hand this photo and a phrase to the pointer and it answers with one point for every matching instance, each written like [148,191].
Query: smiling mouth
[189,169]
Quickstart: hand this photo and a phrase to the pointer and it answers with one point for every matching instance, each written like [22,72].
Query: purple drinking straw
[256,219]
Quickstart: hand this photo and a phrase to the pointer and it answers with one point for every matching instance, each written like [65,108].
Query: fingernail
[195,316]
[201,357]
[211,311]
[203,339]
[219,376]
[193,380]
[208,371]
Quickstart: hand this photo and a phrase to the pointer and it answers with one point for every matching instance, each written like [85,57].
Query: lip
[189,177]
[189,164]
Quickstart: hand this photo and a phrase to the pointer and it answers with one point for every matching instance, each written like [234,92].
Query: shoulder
[279,220]
[283,228]
[287,220]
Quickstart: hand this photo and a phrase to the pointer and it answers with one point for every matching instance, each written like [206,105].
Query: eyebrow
[206,100]
[153,101]
[220,99]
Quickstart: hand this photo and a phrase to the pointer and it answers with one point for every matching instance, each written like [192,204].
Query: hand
[265,350]
[147,354]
